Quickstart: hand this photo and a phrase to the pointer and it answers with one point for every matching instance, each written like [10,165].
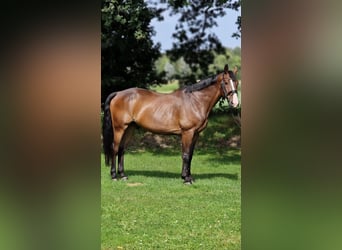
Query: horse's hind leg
[121,153]
[118,133]
[121,156]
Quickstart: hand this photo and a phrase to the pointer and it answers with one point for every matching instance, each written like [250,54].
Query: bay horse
[184,112]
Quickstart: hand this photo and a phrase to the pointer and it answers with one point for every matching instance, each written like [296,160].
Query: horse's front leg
[189,139]
[185,165]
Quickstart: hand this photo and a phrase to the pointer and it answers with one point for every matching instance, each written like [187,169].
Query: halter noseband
[226,94]
[237,120]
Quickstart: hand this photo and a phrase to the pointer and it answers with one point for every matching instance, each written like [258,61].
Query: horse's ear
[226,68]
[235,70]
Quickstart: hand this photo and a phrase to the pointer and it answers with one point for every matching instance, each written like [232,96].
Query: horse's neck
[209,96]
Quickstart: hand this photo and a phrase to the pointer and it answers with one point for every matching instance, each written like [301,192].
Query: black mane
[201,84]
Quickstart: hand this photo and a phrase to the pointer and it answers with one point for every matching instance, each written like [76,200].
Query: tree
[127,51]
[169,71]
[232,56]
[194,41]
[182,68]
[160,65]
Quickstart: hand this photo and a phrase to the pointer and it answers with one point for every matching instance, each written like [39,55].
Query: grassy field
[155,210]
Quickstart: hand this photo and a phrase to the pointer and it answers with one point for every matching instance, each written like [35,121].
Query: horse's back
[143,96]
[154,111]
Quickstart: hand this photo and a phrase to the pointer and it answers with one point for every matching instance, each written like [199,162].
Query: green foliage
[128,53]
[165,88]
[169,70]
[181,70]
[231,56]
[194,41]
[160,64]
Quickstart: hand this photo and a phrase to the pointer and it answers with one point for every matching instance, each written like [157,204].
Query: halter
[236,119]
[227,94]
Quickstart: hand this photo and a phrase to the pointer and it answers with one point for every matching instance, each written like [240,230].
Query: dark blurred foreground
[50,150]
[291,125]
[291,129]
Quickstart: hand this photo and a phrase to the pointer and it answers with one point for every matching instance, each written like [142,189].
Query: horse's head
[229,86]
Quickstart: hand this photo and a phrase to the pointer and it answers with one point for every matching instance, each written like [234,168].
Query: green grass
[155,210]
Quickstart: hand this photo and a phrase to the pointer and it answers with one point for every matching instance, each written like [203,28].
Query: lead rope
[237,120]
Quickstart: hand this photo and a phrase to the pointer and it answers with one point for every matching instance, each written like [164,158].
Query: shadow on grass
[169,175]
[213,155]
[218,153]
[214,139]
[220,156]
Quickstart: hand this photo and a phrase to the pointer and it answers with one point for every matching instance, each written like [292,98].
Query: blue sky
[226,27]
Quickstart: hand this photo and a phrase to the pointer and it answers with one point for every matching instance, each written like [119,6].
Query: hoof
[188,181]
[124,178]
[115,179]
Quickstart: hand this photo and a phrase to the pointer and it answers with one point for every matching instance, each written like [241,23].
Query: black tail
[107,131]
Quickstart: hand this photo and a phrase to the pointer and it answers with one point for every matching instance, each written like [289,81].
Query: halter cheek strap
[226,94]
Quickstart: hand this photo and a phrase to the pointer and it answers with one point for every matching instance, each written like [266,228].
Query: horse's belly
[158,118]
[159,126]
